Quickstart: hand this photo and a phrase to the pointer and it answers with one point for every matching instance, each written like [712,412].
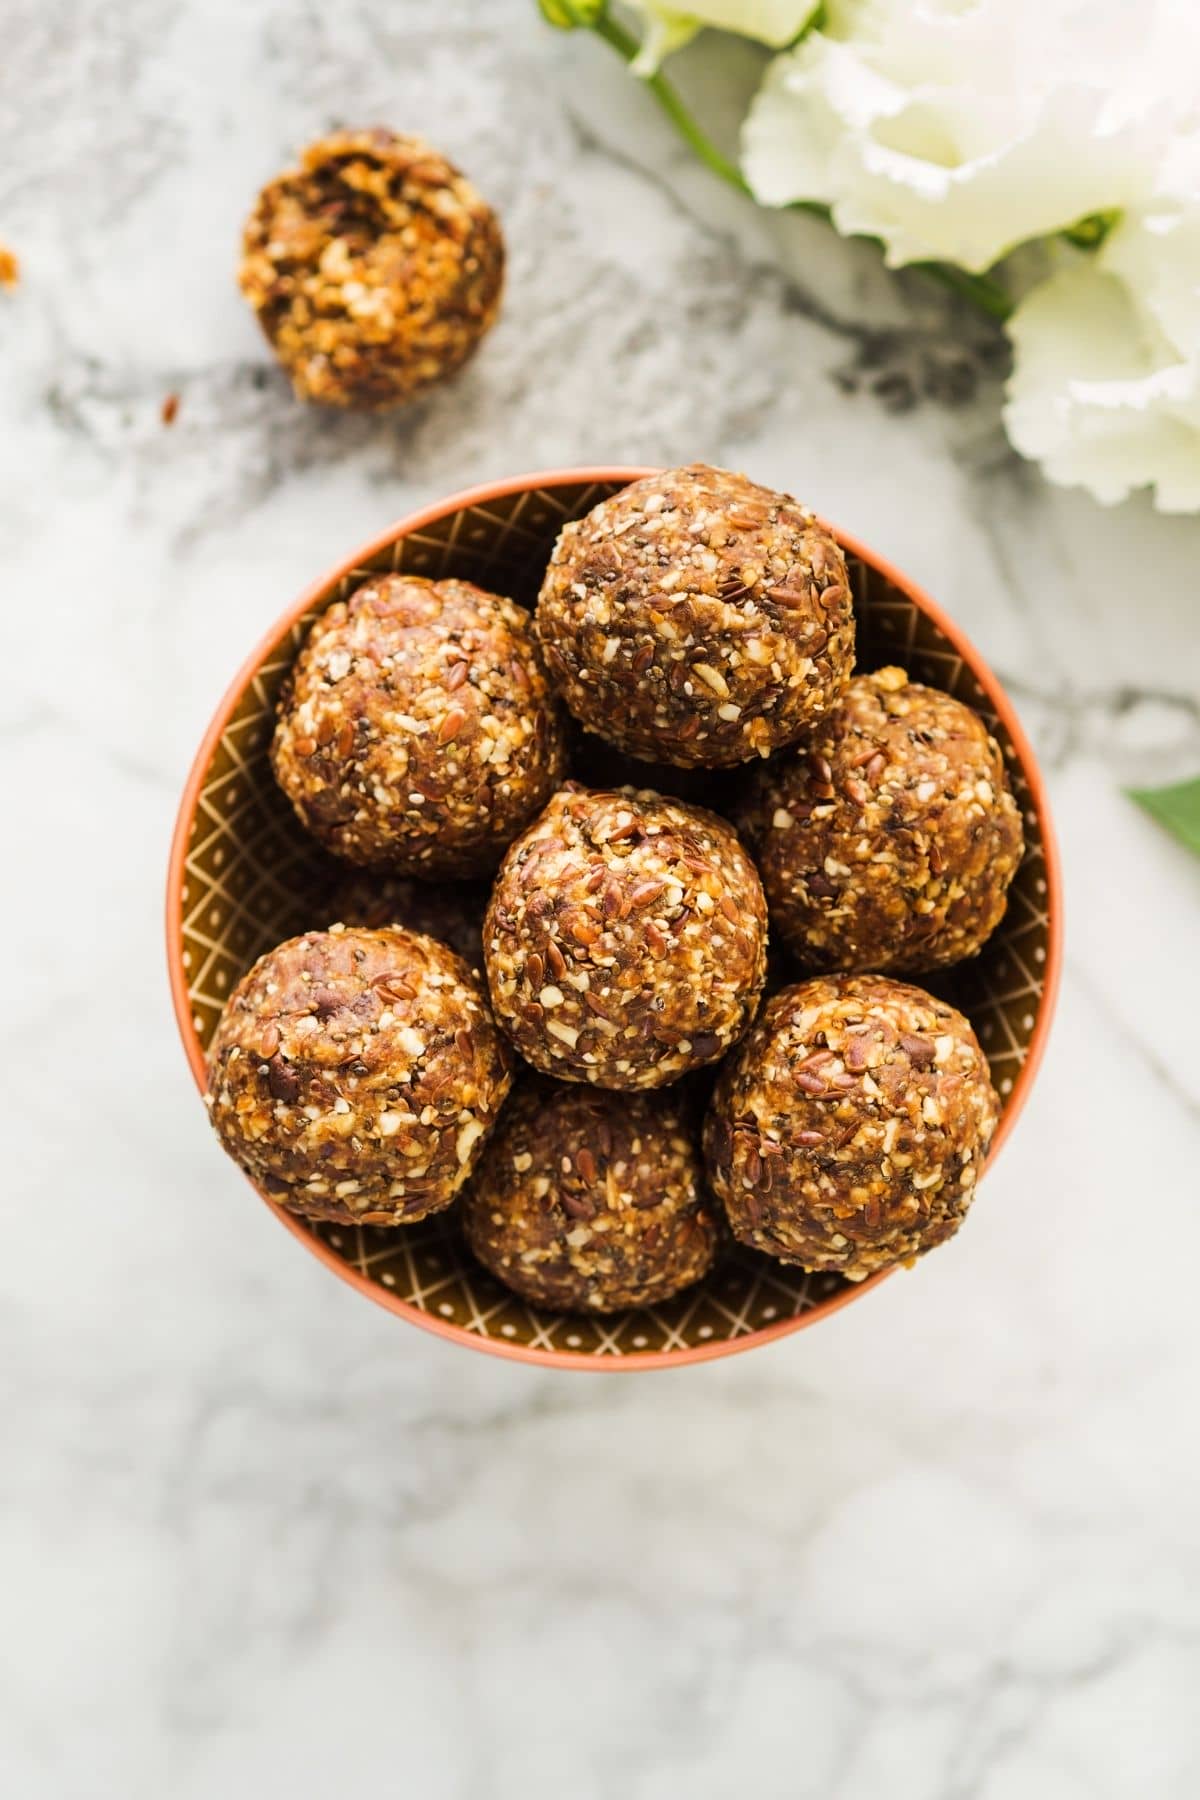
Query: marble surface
[258,1536]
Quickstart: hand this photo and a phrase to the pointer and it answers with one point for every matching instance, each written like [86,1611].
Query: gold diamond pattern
[252,878]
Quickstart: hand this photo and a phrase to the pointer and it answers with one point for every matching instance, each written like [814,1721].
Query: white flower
[773,22]
[1105,390]
[956,129]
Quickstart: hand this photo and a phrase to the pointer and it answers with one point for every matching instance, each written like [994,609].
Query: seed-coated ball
[374,268]
[450,911]
[889,839]
[592,1201]
[625,941]
[416,731]
[355,1074]
[697,618]
[848,1130]
[595,763]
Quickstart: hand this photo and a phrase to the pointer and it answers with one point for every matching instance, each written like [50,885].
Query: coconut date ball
[850,1127]
[592,1201]
[374,268]
[416,731]
[888,841]
[696,618]
[625,940]
[355,1074]
[450,911]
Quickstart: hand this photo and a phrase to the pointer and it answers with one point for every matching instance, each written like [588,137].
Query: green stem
[984,293]
[626,47]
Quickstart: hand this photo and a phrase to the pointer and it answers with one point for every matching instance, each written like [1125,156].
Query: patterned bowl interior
[252,878]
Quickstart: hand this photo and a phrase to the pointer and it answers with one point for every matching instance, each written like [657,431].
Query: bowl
[243,876]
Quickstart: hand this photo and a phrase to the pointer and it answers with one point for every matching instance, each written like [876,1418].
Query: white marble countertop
[258,1536]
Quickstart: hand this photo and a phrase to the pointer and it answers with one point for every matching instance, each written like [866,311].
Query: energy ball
[374,268]
[625,941]
[355,1074]
[597,764]
[591,1202]
[889,841]
[416,731]
[696,618]
[452,911]
[848,1131]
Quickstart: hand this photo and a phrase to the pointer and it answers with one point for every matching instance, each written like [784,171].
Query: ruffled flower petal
[1105,389]
[952,132]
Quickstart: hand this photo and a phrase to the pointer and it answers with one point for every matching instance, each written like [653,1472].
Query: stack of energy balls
[605,948]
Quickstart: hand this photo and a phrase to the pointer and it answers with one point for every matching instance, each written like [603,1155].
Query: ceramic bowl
[243,876]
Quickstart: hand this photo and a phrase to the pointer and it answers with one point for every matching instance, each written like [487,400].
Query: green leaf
[1177,807]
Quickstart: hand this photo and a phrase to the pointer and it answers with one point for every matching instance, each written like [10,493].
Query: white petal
[1162,263]
[790,131]
[953,132]
[1098,397]
[1052,171]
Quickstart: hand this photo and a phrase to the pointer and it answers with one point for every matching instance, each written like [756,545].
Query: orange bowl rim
[478,495]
